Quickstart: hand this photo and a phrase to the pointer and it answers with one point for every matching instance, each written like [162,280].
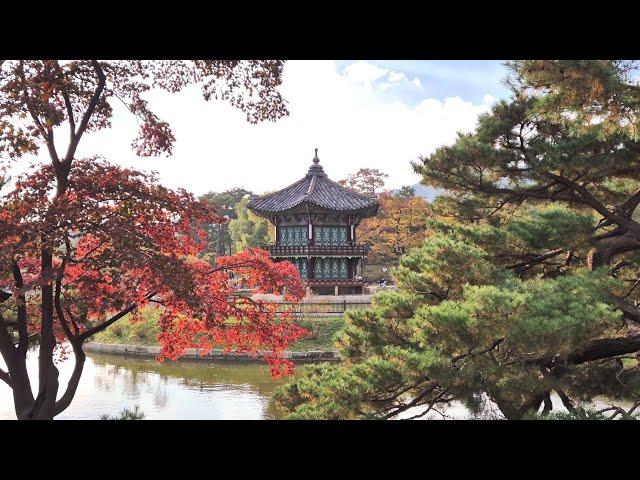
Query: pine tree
[527,287]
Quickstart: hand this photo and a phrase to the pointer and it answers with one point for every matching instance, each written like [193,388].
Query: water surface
[170,390]
[191,390]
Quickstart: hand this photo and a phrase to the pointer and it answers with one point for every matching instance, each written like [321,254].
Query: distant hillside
[428,193]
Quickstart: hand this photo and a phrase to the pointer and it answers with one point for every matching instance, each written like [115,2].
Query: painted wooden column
[311,269]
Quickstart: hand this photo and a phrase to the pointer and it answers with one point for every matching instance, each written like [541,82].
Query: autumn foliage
[120,239]
[401,224]
[85,243]
[127,240]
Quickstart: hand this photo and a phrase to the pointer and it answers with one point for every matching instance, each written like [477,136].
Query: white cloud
[416,82]
[352,125]
[396,76]
[364,72]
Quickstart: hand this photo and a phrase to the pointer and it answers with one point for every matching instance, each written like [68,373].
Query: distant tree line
[526,287]
[241,230]
[401,222]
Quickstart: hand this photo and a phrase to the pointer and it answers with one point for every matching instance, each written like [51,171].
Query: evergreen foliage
[525,287]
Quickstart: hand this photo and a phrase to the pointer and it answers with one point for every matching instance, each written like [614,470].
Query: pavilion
[315,221]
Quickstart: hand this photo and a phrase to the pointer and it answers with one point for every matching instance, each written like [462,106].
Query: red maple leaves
[121,240]
[84,243]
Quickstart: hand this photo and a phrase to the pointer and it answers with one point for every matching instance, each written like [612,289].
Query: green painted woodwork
[329,268]
[293,235]
[336,235]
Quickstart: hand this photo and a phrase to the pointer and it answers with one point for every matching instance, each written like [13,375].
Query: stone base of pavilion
[321,305]
[351,298]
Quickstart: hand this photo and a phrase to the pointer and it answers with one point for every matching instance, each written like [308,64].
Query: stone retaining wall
[358,298]
[212,356]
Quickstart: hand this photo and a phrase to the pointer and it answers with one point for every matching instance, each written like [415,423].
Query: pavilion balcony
[329,282]
[277,250]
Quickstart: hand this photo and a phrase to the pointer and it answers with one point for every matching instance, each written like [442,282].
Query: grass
[126,414]
[321,331]
[144,332]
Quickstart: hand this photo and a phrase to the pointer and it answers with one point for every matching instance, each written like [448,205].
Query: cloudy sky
[377,114]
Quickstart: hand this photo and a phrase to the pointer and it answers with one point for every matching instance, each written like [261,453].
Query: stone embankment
[212,356]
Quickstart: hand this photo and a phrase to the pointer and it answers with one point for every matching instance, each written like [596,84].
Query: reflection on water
[192,390]
[171,390]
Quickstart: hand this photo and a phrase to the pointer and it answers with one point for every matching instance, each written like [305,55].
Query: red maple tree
[84,243]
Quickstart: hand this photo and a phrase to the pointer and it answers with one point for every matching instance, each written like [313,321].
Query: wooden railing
[313,250]
[341,282]
[323,307]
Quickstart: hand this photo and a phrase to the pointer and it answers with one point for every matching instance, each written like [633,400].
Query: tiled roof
[316,189]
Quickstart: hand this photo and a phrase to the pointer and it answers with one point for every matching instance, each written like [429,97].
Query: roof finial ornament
[316,160]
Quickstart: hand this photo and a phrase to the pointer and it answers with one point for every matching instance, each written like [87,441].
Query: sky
[375,114]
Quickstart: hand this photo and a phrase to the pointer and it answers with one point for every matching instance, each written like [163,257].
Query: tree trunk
[48,373]
[22,394]
[23,400]
[604,250]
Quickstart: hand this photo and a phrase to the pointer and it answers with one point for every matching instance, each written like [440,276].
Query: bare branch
[58,305]
[23,343]
[480,352]
[593,202]
[605,348]
[47,133]
[530,262]
[62,404]
[92,331]
[88,112]
[67,103]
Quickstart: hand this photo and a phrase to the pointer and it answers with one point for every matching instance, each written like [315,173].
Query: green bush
[141,332]
[578,414]
[145,331]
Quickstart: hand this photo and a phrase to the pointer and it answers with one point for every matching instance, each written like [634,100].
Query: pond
[170,390]
[188,390]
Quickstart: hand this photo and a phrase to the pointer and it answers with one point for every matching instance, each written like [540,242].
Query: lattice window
[328,268]
[318,269]
[293,235]
[301,265]
[331,235]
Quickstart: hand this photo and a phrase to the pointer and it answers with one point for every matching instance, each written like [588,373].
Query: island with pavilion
[315,223]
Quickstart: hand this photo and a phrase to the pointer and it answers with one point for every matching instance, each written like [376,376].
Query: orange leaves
[261,275]
[117,237]
[401,224]
[218,314]
[54,92]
